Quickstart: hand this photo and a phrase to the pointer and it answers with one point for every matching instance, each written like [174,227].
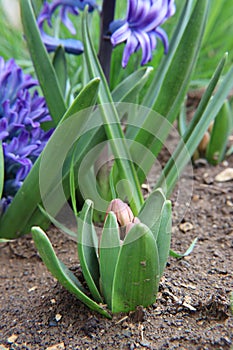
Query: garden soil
[192,311]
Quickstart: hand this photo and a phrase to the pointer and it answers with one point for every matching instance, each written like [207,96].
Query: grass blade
[188,251]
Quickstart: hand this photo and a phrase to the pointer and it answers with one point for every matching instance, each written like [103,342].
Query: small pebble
[186,226]
[225,175]
[59,346]
[2,347]
[58,317]
[12,338]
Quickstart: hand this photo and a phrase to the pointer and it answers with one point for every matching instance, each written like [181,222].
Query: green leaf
[61,272]
[174,86]
[162,71]
[60,66]
[164,235]
[176,81]
[182,119]
[188,251]
[194,134]
[24,207]
[87,247]
[73,188]
[219,135]
[109,251]
[43,67]
[205,98]
[1,170]
[150,213]
[136,276]
[129,88]
[112,124]
[156,214]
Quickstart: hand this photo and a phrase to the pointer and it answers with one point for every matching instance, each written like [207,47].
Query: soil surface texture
[193,308]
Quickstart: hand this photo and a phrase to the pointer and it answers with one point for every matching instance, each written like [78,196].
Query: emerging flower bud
[122,211]
[131,224]
[124,215]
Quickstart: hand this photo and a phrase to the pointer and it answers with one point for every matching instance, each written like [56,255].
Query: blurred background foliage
[218,39]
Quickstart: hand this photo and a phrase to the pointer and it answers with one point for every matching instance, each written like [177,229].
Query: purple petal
[145,44]
[120,35]
[143,20]
[163,36]
[130,48]
[70,45]
[65,19]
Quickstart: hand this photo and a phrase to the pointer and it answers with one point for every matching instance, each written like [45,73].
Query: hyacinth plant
[22,138]
[86,120]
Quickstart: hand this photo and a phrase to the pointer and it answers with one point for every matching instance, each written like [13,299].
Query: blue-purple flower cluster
[141,28]
[21,115]
[67,7]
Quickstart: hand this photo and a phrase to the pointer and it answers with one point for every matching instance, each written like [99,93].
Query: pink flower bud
[131,224]
[122,211]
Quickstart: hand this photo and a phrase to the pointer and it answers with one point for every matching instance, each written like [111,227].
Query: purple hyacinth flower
[141,28]
[67,7]
[21,115]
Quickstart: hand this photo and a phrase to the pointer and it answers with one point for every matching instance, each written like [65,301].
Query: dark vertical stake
[105,46]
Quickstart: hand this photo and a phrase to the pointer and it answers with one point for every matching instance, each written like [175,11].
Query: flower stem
[105,46]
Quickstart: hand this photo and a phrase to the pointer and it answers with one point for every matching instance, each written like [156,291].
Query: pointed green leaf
[87,247]
[219,135]
[205,98]
[174,86]
[188,251]
[60,66]
[61,272]
[43,67]
[136,277]
[193,135]
[112,123]
[164,235]
[109,250]
[1,169]
[150,213]
[128,89]
[162,71]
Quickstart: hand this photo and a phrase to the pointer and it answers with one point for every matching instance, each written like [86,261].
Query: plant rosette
[123,267]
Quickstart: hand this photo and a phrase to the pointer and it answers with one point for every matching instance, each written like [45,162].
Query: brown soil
[193,306]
